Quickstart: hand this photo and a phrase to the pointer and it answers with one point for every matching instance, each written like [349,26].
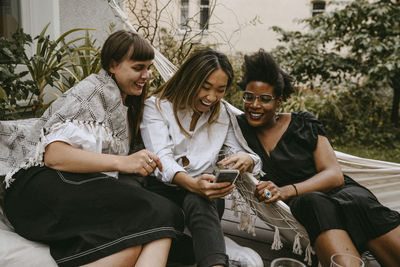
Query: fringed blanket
[94,104]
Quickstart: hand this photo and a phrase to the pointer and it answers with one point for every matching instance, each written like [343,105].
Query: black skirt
[85,217]
[351,207]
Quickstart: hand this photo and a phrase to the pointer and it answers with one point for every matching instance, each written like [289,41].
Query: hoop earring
[277,116]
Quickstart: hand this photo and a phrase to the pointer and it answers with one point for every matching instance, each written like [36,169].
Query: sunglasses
[249,97]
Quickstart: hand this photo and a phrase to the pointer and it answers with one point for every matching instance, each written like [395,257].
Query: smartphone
[227,176]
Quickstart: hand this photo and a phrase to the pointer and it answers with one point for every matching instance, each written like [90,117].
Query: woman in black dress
[75,203]
[301,169]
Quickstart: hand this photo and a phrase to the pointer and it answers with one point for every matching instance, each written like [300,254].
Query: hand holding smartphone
[227,176]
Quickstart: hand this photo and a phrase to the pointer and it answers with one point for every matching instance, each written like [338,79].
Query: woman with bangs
[74,203]
[185,123]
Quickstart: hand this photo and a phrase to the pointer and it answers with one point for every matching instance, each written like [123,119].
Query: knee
[313,205]
[357,198]
[196,206]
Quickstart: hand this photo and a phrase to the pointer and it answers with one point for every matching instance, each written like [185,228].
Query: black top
[292,160]
[351,206]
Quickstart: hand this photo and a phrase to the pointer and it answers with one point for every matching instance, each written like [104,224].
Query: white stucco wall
[93,14]
[65,15]
[241,25]
[236,25]
[35,15]
[247,23]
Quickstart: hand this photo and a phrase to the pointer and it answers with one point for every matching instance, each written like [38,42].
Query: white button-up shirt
[161,135]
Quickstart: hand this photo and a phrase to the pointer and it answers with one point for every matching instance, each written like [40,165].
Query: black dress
[85,217]
[350,207]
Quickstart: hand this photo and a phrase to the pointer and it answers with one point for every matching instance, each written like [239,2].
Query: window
[204,14]
[318,7]
[184,14]
[9,17]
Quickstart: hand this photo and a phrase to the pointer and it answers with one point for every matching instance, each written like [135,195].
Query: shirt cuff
[168,173]
[257,165]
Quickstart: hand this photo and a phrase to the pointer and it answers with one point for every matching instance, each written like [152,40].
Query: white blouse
[161,135]
[86,137]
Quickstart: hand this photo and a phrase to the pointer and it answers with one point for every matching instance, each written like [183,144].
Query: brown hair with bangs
[119,46]
[182,88]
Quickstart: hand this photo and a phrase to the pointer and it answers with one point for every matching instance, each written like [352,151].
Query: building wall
[64,15]
[235,25]
[34,17]
[241,25]
[93,14]
[249,22]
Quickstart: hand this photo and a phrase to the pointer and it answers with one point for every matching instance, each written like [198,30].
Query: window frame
[184,15]
[204,25]
[315,10]
[10,11]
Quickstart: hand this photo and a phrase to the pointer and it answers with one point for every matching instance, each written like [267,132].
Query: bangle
[295,188]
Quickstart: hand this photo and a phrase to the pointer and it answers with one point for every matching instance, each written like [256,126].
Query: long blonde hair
[182,88]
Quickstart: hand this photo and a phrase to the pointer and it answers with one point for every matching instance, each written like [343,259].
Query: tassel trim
[297,245]
[308,255]
[277,244]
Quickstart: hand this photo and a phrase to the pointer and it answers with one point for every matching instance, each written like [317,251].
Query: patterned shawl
[95,104]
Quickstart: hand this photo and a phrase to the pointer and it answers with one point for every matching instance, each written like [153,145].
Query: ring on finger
[267,193]
[150,160]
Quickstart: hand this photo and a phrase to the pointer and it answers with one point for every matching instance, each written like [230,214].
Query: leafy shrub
[47,66]
[234,94]
[354,116]
[14,86]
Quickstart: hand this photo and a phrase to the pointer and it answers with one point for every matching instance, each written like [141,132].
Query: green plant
[234,94]
[352,115]
[359,42]
[371,152]
[83,61]
[14,86]
[346,66]
[44,66]
[49,59]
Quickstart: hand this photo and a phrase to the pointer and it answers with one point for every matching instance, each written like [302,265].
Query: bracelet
[295,188]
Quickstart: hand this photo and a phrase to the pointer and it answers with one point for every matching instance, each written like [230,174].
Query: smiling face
[212,90]
[258,113]
[131,75]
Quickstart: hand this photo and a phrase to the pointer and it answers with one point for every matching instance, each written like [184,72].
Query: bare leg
[386,248]
[331,242]
[154,253]
[123,258]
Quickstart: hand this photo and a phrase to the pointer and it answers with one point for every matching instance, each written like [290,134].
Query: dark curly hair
[261,67]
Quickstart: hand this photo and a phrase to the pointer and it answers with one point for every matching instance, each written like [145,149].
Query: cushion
[16,251]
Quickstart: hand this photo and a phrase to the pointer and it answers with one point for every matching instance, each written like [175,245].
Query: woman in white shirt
[185,123]
[74,203]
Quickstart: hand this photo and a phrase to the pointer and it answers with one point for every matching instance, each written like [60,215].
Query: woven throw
[92,104]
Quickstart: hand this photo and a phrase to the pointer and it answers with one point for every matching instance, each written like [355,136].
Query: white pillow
[16,251]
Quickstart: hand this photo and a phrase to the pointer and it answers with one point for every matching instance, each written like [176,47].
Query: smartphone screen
[227,176]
